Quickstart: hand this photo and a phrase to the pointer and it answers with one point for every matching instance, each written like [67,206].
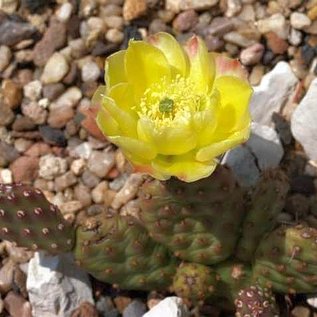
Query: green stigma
[166,105]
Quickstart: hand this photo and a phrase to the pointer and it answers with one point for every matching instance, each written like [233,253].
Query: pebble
[106,161]
[6,114]
[238,39]
[82,194]
[9,6]
[52,136]
[106,307]
[53,91]
[64,12]
[169,307]
[275,43]
[295,37]
[13,31]
[90,179]
[78,166]
[272,93]
[90,72]
[252,54]
[35,112]
[17,305]
[6,276]
[98,193]
[114,36]
[275,23]
[59,117]
[133,9]
[83,150]
[64,181]
[300,311]
[71,207]
[55,69]
[135,309]
[52,166]
[233,8]
[114,22]
[299,20]
[53,39]
[5,57]
[56,286]
[12,93]
[24,169]
[85,309]
[68,99]
[6,176]
[180,5]
[128,191]
[185,21]
[33,90]
[303,120]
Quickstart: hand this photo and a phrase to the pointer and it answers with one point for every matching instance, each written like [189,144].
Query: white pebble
[90,71]
[114,36]
[55,69]
[64,12]
[33,90]
[299,20]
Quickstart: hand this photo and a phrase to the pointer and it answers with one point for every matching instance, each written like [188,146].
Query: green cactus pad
[193,220]
[286,260]
[195,282]
[116,249]
[256,301]
[267,201]
[27,218]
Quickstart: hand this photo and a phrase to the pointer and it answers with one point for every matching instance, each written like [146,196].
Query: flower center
[166,102]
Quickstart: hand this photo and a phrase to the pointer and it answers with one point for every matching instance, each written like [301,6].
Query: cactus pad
[28,219]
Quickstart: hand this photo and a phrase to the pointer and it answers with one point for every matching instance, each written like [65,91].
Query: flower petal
[184,167]
[126,121]
[173,52]
[234,111]
[145,65]
[115,69]
[169,140]
[106,123]
[123,96]
[226,66]
[135,147]
[211,151]
[202,68]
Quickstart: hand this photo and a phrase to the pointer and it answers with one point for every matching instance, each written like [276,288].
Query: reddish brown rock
[53,39]
[275,43]
[12,93]
[185,21]
[17,306]
[25,169]
[38,149]
[86,309]
[59,117]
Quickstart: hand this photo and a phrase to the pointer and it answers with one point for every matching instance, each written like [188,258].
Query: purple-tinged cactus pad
[27,218]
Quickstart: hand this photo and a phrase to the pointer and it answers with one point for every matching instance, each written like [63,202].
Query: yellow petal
[202,68]
[123,96]
[106,123]
[126,122]
[168,140]
[145,65]
[235,96]
[211,151]
[184,167]
[98,96]
[226,66]
[115,69]
[173,52]
[135,147]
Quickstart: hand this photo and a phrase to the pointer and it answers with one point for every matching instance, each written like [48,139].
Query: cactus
[116,249]
[256,301]
[28,219]
[193,220]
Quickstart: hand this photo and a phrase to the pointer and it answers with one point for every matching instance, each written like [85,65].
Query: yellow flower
[173,110]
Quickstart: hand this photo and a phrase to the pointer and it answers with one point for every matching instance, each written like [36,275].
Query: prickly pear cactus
[266,202]
[193,220]
[286,260]
[27,218]
[256,301]
[118,250]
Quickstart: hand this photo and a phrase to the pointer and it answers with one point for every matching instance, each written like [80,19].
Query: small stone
[83,150]
[90,72]
[64,181]
[35,112]
[33,90]
[135,309]
[53,136]
[12,93]
[6,276]
[54,38]
[233,8]
[17,306]
[106,307]
[295,37]
[53,91]
[252,54]
[90,179]
[6,176]
[275,43]
[56,286]
[238,39]
[220,26]
[114,36]
[256,75]
[275,23]
[133,9]
[71,207]
[59,117]
[6,115]
[22,123]
[122,302]
[272,93]
[55,69]
[128,191]
[114,22]
[312,13]
[185,21]
[300,311]
[180,5]
[98,193]
[302,122]
[78,166]
[100,163]
[82,194]
[85,309]
[13,31]
[5,57]
[68,99]
[64,12]
[52,166]
[299,20]
[169,307]
[25,169]
[9,6]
